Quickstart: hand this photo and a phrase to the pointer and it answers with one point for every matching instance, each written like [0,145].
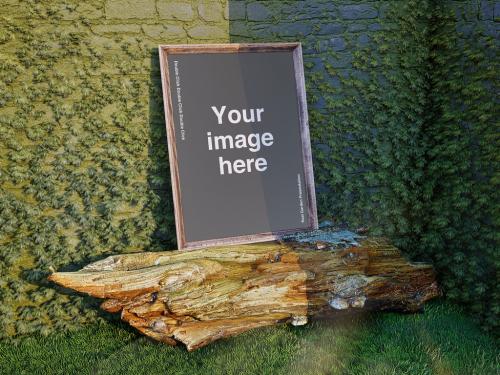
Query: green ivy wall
[461,189]
[401,114]
[404,125]
[366,65]
[83,155]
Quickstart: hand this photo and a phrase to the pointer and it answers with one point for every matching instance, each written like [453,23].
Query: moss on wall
[83,155]
[366,65]
[462,174]
[401,114]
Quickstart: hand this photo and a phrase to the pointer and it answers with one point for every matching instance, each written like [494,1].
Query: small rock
[321,245]
[339,303]
[299,320]
[358,302]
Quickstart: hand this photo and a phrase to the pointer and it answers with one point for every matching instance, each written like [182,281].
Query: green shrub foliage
[462,171]
[402,120]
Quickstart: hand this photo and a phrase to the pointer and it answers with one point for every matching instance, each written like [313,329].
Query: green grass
[440,341]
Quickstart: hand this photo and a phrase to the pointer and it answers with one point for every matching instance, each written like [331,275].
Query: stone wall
[463,164]
[357,68]
[83,154]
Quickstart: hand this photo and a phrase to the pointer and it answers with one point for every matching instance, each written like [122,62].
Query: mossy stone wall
[366,65]
[404,125]
[462,170]
[401,114]
[83,153]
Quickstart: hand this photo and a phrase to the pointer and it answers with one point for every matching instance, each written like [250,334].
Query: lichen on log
[199,296]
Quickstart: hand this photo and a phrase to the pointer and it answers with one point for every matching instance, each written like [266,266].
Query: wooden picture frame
[310,196]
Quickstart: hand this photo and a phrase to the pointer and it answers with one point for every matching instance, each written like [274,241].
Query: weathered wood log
[199,296]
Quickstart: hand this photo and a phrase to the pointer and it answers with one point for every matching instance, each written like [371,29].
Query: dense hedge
[402,123]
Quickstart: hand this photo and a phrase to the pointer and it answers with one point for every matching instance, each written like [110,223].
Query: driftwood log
[199,296]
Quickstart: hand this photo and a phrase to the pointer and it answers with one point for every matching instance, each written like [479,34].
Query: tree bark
[199,296]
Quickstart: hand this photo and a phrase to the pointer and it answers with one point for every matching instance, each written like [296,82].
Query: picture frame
[296,49]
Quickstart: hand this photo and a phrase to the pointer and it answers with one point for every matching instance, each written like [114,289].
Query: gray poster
[239,149]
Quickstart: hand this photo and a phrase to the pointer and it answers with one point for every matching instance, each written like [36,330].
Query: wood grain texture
[228,47]
[310,195]
[172,148]
[199,296]
[304,136]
